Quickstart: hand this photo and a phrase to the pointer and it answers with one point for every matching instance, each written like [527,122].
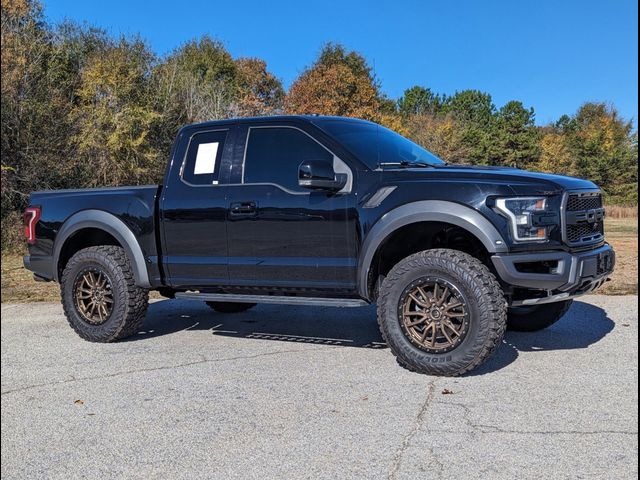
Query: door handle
[243,209]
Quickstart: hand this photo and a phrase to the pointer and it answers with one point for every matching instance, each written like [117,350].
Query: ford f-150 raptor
[329,211]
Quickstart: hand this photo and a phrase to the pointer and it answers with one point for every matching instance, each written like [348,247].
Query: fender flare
[426,211]
[112,225]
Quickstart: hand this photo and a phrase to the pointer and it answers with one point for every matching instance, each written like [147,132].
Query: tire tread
[136,301]
[485,288]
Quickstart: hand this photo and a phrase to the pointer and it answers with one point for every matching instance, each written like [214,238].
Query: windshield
[376,145]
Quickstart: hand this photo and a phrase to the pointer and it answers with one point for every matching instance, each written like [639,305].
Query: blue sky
[552,55]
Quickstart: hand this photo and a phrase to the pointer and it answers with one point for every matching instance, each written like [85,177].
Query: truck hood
[520,181]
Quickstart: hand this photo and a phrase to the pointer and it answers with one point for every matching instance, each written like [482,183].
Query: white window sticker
[206,158]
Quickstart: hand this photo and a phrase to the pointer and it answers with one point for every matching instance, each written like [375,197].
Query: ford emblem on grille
[594,216]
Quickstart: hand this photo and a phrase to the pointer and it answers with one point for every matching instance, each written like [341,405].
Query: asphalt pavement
[300,392]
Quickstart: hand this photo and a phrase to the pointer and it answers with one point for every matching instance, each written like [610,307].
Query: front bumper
[569,275]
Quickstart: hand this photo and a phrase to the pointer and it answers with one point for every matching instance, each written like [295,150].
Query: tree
[338,83]
[440,135]
[196,83]
[471,107]
[420,101]
[517,141]
[555,154]
[259,91]
[604,147]
[35,101]
[474,113]
[115,115]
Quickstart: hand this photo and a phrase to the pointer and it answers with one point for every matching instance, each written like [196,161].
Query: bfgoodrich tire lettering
[129,301]
[485,304]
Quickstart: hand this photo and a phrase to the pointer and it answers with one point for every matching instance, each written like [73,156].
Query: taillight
[30,219]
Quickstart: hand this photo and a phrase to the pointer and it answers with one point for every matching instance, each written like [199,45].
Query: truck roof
[275,119]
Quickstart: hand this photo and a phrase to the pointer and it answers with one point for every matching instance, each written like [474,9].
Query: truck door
[279,233]
[193,208]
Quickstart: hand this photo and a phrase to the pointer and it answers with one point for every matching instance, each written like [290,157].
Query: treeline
[81,108]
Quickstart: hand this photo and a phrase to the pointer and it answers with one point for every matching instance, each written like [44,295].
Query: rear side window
[202,165]
[274,155]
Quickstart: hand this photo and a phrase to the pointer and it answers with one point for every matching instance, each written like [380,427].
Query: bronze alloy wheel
[433,315]
[93,296]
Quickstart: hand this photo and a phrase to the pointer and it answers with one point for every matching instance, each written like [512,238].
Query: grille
[584,217]
[576,203]
[584,232]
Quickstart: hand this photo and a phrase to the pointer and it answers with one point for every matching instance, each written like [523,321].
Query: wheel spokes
[408,314]
[434,337]
[420,302]
[451,306]
[426,330]
[93,296]
[444,332]
[443,297]
[448,324]
[432,315]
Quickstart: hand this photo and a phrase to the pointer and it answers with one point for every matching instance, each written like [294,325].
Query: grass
[617,211]
[622,234]
[18,284]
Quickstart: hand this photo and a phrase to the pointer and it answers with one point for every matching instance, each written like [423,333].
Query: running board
[280,300]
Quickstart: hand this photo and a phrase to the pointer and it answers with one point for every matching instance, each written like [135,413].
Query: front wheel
[536,317]
[442,312]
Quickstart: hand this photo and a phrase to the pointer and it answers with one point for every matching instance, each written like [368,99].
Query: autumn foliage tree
[115,115]
[440,134]
[604,147]
[555,154]
[338,83]
[201,81]
[259,91]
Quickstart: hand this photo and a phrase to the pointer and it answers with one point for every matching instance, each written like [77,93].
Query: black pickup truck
[327,211]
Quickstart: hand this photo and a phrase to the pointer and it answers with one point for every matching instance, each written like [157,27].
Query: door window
[274,154]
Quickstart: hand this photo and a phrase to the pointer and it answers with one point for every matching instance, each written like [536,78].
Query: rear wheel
[230,307]
[536,317]
[100,298]
[442,312]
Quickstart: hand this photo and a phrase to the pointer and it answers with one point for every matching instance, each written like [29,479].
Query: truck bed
[135,206]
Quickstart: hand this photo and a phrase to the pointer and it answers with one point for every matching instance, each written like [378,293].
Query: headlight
[519,211]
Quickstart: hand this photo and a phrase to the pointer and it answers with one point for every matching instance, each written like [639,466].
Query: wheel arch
[441,211]
[110,225]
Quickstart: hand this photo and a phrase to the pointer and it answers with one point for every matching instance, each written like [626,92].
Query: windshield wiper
[406,164]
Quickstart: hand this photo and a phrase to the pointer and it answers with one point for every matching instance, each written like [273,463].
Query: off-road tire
[485,301]
[230,307]
[536,317]
[129,301]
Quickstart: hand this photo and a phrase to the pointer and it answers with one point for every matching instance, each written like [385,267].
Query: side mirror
[319,175]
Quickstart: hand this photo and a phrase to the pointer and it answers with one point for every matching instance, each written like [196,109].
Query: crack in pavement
[164,367]
[492,429]
[406,441]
